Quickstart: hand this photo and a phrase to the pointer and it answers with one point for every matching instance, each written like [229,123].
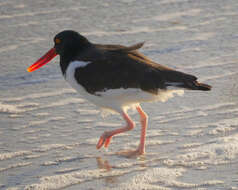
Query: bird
[116,78]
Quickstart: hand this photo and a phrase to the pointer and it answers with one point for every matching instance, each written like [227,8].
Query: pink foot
[105,140]
[106,137]
[132,153]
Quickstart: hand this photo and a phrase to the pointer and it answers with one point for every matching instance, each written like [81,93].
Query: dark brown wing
[115,66]
[112,69]
[171,76]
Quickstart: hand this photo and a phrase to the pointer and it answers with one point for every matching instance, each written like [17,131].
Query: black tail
[190,85]
[183,80]
[195,85]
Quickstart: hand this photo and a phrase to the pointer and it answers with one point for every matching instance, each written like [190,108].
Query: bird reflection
[104,164]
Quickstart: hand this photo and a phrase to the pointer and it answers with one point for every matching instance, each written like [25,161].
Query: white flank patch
[116,99]
[173,85]
[130,97]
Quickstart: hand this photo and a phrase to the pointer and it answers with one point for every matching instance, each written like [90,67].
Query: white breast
[70,76]
[115,99]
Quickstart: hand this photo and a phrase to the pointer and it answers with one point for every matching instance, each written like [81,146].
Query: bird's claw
[105,140]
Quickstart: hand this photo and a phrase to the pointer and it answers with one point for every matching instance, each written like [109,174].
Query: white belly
[116,99]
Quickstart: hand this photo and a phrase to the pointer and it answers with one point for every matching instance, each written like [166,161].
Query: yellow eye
[57,40]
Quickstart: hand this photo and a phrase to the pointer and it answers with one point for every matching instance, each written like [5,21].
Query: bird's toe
[131,153]
[105,140]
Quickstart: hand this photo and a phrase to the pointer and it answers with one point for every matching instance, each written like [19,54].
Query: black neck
[64,63]
[70,55]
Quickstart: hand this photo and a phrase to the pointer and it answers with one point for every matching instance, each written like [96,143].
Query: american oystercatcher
[116,77]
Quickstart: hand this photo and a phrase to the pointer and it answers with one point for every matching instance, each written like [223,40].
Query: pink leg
[141,148]
[107,136]
[144,123]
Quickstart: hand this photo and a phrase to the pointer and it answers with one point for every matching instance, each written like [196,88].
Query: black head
[69,43]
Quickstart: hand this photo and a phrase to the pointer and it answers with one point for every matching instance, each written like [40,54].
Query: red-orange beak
[43,60]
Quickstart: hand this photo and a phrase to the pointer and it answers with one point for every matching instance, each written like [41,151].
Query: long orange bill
[43,60]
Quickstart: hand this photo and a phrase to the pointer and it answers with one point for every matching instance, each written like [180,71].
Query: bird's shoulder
[129,55]
[120,55]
